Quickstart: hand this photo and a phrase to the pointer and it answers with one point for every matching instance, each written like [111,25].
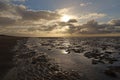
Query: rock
[68,51]
[49,49]
[101,61]
[39,59]
[108,52]
[66,76]
[88,54]
[94,61]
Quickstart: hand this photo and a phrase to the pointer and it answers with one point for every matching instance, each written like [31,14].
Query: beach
[64,59]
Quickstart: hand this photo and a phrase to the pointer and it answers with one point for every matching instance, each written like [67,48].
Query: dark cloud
[92,27]
[42,28]
[115,22]
[4,21]
[36,15]
[72,28]
[72,21]
[91,23]
[3,6]
[26,14]
[20,11]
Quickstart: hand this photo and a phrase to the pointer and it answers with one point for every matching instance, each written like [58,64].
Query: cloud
[92,16]
[114,22]
[93,27]
[22,15]
[63,11]
[72,21]
[90,27]
[26,14]
[36,15]
[19,0]
[19,20]
[85,4]
[4,21]
[3,6]
[82,4]
[13,0]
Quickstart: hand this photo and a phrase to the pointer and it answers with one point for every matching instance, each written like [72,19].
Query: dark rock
[94,61]
[66,76]
[77,50]
[49,49]
[68,51]
[112,60]
[88,54]
[108,52]
[39,59]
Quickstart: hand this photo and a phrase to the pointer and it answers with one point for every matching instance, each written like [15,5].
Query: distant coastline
[100,36]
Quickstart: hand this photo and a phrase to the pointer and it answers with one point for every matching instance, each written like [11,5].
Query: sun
[65,18]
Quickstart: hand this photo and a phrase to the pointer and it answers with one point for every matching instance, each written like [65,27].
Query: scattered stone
[108,52]
[32,65]
[49,49]
[94,61]
[88,54]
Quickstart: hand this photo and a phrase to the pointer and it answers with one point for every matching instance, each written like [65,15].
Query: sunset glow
[65,18]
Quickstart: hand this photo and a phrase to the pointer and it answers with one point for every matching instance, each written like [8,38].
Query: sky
[56,18]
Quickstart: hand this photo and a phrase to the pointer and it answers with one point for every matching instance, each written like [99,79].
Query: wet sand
[63,59]
[7,43]
[89,57]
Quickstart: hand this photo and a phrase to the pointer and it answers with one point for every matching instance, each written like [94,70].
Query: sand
[7,43]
